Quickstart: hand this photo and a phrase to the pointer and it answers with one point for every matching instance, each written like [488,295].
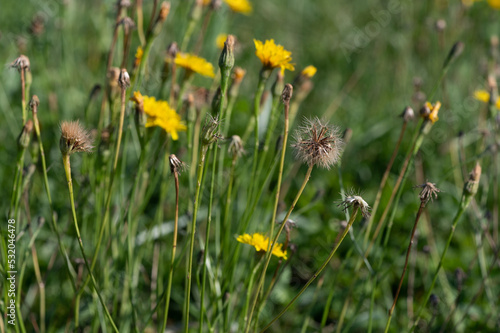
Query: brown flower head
[74,138]
[318,143]
[356,201]
[429,192]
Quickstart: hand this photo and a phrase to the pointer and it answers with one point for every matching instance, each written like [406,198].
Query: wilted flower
[408,114]
[318,143]
[209,132]
[74,138]
[261,244]
[272,55]
[194,64]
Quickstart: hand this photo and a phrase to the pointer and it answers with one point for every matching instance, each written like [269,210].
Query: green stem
[201,164]
[318,272]
[174,247]
[391,311]
[67,169]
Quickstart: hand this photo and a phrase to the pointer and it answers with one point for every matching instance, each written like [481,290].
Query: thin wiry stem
[421,208]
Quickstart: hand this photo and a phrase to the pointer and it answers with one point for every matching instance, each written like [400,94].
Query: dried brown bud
[128,24]
[172,50]
[25,136]
[176,165]
[21,63]
[236,146]
[34,102]
[164,11]
[287,93]
[429,192]
[74,138]
[124,79]
[408,114]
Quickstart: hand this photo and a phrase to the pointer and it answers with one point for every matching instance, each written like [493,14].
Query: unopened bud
[455,52]
[34,102]
[226,59]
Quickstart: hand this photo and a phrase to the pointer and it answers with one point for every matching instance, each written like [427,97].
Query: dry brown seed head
[287,93]
[172,50]
[21,63]
[317,143]
[124,79]
[74,138]
[34,102]
[429,192]
[408,114]
[25,136]
[164,11]
[127,23]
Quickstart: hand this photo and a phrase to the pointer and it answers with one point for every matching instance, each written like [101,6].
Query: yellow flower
[220,40]
[309,71]
[195,64]
[138,56]
[160,114]
[433,116]
[272,55]
[495,4]
[482,95]
[239,6]
[261,243]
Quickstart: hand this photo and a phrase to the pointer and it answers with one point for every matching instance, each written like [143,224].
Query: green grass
[366,73]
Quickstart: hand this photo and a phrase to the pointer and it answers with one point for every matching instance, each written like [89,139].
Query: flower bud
[25,136]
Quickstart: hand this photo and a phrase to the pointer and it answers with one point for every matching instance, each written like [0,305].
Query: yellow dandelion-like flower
[434,109]
[484,96]
[220,40]
[495,4]
[195,64]
[309,71]
[160,114]
[261,244]
[272,55]
[239,6]
[138,54]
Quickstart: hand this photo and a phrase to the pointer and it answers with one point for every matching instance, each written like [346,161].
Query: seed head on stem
[429,192]
[176,165]
[317,143]
[74,138]
[356,201]
[21,63]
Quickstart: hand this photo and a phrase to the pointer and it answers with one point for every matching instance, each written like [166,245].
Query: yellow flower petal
[482,95]
[309,71]
[239,6]
[220,40]
[272,55]
[195,64]
[261,243]
[160,114]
